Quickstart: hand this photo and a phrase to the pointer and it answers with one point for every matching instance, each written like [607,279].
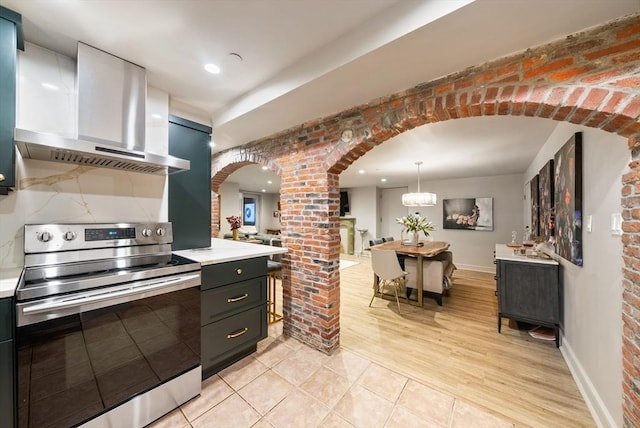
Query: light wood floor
[456,348]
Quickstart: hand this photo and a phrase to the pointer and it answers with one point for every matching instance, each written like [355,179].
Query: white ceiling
[303,60]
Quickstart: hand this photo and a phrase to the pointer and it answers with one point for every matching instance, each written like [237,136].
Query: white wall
[269,204]
[474,249]
[362,205]
[48,192]
[188,112]
[230,204]
[592,337]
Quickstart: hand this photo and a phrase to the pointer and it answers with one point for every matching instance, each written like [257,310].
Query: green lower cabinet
[7,364]
[233,312]
[7,384]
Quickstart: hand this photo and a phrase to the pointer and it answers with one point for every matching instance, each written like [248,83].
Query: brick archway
[590,78]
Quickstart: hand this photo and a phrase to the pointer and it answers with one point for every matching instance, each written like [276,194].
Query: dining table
[422,250]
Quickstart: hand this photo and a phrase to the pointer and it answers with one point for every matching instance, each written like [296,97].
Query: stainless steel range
[108,325]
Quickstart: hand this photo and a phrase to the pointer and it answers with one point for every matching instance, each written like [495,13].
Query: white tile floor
[287,384]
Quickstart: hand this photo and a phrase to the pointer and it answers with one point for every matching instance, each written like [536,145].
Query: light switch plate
[616,224]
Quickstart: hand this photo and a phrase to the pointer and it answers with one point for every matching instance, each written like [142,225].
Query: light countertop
[221,250]
[227,250]
[9,281]
[507,253]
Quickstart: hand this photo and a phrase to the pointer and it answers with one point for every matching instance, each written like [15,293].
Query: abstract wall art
[545,198]
[535,206]
[568,200]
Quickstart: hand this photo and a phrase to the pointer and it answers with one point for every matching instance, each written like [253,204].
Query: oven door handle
[105,294]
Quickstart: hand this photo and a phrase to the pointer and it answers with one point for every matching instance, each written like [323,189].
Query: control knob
[69,235]
[146,232]
[161,231]
[45,236]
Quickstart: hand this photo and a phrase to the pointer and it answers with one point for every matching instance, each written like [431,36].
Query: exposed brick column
[215,214]
[309,199]
[631,288]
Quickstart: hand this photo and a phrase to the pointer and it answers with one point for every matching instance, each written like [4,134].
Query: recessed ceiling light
[269,182]
[264,190]
[156,116]
[212,68]
[211,143]
[361,171]
[383,180]
[264,168]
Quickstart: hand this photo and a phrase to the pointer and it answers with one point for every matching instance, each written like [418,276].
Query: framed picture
[535,206]
[249,212]
[545,199]
[568,200]
[467,214]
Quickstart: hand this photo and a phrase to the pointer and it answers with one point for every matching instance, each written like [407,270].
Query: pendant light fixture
[419,199]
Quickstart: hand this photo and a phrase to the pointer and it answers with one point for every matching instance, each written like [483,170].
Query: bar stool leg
[273,315]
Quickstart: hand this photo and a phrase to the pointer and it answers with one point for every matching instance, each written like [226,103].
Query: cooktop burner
[68,258]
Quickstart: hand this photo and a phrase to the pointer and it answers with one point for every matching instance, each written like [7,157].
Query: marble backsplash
[50,192]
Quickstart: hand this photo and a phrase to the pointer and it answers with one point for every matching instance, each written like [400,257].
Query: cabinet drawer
[6,319]
[226,273]
[224,338]
[220,302]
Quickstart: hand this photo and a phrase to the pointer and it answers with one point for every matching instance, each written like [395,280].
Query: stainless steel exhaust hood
[111,121]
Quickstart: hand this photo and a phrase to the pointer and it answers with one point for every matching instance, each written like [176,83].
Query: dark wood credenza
[529,290]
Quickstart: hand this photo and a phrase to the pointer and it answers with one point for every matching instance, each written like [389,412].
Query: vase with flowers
[234,222]
[415,224]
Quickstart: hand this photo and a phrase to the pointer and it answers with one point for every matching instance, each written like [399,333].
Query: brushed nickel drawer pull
[237,299]
[237,333]
[239,271]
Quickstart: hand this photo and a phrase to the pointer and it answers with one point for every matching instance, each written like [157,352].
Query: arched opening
[438,356]
[585,80]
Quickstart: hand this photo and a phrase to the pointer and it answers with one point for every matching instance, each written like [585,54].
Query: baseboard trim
[601,415]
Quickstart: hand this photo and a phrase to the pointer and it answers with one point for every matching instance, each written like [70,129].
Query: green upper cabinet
[190,191]
[10,40]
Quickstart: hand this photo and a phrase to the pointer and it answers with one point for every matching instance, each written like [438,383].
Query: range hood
[111,96]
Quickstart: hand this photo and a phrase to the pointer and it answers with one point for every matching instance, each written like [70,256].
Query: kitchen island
[227,250]
[233,300]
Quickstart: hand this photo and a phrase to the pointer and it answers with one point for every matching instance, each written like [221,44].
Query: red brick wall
[590,78]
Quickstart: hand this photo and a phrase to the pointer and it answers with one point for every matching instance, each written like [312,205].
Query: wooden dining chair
[389,274]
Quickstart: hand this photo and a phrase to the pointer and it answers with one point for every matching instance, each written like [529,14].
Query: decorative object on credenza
[535,206]
[419,199]
[568,200]
[414,224]
[234,222]
[468,213]
[545,195]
